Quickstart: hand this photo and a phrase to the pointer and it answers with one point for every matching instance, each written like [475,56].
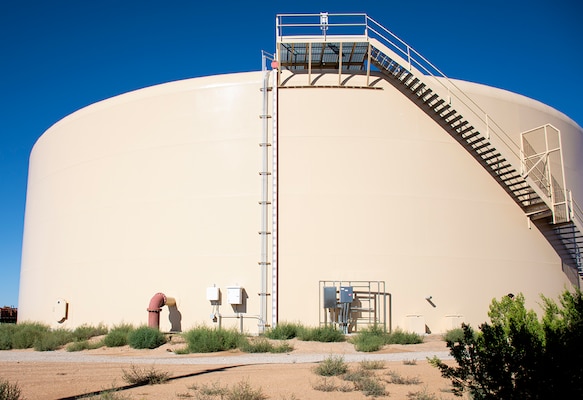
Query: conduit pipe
[156,303]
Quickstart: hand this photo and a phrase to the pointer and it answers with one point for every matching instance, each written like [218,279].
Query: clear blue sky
[57,56]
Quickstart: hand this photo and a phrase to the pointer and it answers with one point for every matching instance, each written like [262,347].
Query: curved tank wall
[157,191]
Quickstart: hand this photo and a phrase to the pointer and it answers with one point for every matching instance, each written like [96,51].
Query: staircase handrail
[414,58]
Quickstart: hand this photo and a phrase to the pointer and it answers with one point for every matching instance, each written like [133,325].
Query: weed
[110,394]
[358,375]
[325,385]
[421,395]
[331,366]
[370,364]
[9,391]
[214,390]
[371,387]
[149,376]
[244,391]
[410,362]
[397,379]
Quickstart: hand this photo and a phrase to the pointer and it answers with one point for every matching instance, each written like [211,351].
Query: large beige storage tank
[160,191]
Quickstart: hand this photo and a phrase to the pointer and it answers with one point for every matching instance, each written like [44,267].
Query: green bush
[85,332]
[145,337]
[321,334]
[331,366]
[516,356]
[209,340]
[284,331]
[401,337]
[52,340]
[262,345]
[118,335]
[9,391]
[374,338]
[6,333]
[27,334]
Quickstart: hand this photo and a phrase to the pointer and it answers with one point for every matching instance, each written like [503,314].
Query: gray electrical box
[329,297]
[346,294]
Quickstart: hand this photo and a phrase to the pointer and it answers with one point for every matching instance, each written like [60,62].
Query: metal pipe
[158,301]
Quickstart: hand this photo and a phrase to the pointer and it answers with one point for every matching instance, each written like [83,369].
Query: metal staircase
[410,73]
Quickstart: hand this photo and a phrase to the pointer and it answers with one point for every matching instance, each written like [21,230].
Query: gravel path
[238,359]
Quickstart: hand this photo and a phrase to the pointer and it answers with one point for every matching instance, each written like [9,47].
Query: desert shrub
[372,364]
[369,339]
[399,336]
[398,379]
[85,332]
[262,345]
[145,337]
[321,334]
[240,391]
[284,331]
[244,391]
[26,334]
[371,387]
[9,391]
[373,338]
[421,395]
[325,385]
[150,376]
[52,340]
[209,340]
[331,366]
[118,335]
[516,356]
[454,335]
[6,333]
[357,375]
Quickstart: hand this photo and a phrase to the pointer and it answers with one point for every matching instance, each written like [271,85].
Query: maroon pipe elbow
[156,304]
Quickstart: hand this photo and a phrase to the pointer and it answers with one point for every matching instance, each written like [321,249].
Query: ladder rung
[264,173]
[264,144]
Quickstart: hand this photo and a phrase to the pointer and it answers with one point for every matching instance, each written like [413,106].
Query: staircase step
[430,99]
[471,136]
[483,145]
[417,88]
[412,83]
[442,109]
[467,129]
[449,114]
[454,120]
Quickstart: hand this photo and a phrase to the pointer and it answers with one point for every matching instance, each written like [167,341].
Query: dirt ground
[289,376]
